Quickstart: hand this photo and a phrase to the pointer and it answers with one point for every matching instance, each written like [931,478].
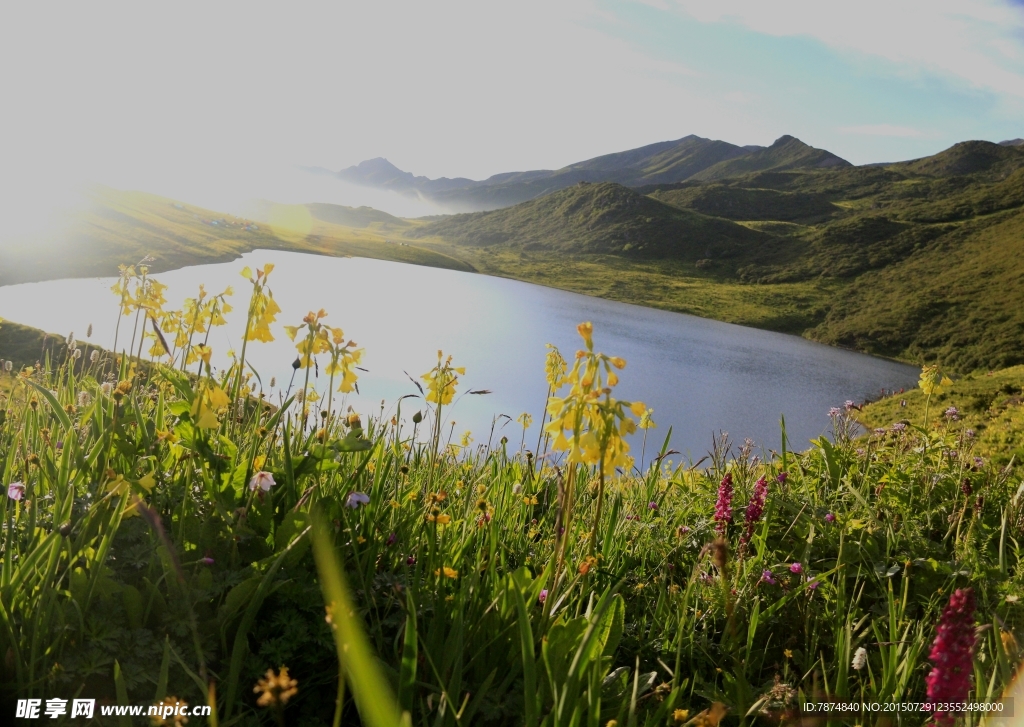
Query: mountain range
[667,162]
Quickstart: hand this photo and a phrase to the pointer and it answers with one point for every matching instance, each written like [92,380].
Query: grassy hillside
[919,260]
[602,218]
[989,404]
[113,227]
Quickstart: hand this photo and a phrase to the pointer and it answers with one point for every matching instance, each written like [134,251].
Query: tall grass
[170,531]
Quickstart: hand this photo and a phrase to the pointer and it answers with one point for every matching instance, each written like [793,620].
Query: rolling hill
[919,260]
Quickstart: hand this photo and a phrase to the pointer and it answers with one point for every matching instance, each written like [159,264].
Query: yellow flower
[554,367]
[933,381]
[680,715]
[788,654]
[448,572]
[275,689]
[525,419]
[443,519]
[211,400]
[442,380]
[586,331]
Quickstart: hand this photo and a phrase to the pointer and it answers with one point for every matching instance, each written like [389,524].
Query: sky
[214,103]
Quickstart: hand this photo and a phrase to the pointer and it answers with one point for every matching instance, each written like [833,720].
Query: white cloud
[976,42]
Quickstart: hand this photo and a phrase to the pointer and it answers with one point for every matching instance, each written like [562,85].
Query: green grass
[140,563]
[990,404]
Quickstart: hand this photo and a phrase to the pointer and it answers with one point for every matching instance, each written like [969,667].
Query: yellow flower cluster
[324,339]
[442,380]
[933,381]
[276,689]
[263,309]
[208,403]
[588,422]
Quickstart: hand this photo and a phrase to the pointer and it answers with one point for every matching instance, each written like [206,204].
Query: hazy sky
[201,98]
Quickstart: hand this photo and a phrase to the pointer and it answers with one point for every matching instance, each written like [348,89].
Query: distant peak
[376,163]
[785,139]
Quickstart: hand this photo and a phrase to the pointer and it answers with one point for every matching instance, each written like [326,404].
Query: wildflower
[952,653]
[207,560]
[899,427]
[723,507]
[796,568]
[263,309]
[442,380]
[517,488]
[768,578]
[275,689]
[813,584]
[8,366]
[788,653]
[979,463]
[391,539]
[106,387]
[830,518]
[525,419]
[680,715]
[860,658]
[357,499]
[952,414]
[448,572]
[543,596]
[965,487]
[782,477]
[755,508]
[682,530]
[77,354]
[880,430]
[16,490]
[848,405]
[968,433]
[652,505]
[411,560]
[646,422]
[83,399]
[262,480]
[174,709]
[835,412]
[933,381]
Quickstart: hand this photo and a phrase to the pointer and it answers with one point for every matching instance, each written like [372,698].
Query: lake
[700,376]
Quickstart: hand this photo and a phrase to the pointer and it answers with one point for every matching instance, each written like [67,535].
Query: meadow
[175,534]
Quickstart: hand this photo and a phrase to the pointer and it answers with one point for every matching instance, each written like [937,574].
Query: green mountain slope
[601,218]
[786,153]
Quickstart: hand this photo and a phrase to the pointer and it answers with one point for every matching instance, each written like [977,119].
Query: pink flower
[813,584]
[796,568]
[767,577]
[411,560]
[723,507]
[652,505]
[16,490]
[953,654]
[755,508]
[830,518]
[262,480]
[782,477]
[543,596]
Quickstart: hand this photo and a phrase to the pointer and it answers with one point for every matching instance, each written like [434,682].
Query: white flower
[94,356]
[15,490]
[106,387]
[84,399]
[517,488]
[77,354]
[8,365]
[860,658]
[356,499]
[262,480]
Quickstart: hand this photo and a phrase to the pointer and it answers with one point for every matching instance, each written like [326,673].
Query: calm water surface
[700,376]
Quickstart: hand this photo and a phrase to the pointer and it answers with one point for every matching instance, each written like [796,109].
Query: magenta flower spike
[723,507]
[952,654]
